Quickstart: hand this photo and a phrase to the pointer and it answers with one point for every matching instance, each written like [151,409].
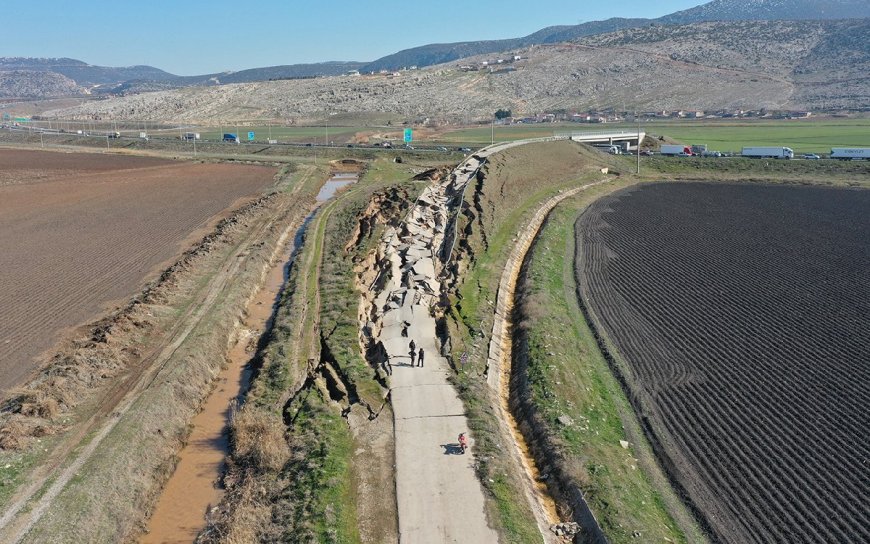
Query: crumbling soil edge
[499,368]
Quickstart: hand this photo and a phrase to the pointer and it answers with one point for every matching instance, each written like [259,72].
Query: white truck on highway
[850,153]
[608,148]
[674,150]
[768,152]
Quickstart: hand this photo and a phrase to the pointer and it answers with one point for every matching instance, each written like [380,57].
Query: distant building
[353,72]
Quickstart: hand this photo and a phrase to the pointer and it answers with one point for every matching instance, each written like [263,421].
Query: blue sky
[189,37]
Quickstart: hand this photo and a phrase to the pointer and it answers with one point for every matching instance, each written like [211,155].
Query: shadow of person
[452,449]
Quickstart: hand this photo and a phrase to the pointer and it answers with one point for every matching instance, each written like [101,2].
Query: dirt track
[79,232]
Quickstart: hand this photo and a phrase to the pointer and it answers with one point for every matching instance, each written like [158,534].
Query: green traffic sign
[409,135]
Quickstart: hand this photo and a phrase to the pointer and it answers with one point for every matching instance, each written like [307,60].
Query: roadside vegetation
[333,480]
[575,407]
[802,135]
[507,194]
[827,172]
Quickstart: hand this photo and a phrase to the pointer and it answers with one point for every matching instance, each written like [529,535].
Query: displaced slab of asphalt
[439,496]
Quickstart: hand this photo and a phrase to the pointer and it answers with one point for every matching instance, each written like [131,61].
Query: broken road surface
[439,496]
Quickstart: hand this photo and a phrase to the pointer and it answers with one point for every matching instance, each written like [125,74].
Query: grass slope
[495,211]
[568,376]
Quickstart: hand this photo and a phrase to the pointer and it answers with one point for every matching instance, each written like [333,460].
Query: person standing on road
[412,352]
[382,357]
[420,358]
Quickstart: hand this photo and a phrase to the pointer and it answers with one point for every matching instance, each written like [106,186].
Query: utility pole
[638,142]
[491,131]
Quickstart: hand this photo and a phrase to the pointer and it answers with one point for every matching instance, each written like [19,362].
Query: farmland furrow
[742,327]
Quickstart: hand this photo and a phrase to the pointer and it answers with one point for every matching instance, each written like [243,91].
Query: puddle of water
[335,183]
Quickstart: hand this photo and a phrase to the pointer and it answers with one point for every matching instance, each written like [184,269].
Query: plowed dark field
[79,232]
[741,314]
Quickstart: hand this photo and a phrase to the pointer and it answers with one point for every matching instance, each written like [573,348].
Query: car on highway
[464,149]
[442,148]
[811,156]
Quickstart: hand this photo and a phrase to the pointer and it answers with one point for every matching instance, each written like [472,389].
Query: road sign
[250,136]
[6,117]
[22,120]
[409,135]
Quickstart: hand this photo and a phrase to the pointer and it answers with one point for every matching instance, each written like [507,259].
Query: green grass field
[802,135]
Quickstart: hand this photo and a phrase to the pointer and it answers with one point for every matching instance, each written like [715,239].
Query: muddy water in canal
[194,486]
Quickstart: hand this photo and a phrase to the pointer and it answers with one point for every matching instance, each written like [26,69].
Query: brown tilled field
[82,232]
[741,313]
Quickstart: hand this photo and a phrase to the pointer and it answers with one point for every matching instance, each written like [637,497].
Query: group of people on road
[417,356]
[381,356]
[417,359]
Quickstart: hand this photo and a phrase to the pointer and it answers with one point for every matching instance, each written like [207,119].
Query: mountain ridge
[731,65]
[124,80]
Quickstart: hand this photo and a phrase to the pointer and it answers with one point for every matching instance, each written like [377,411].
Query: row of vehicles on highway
[227,137]
[764,152]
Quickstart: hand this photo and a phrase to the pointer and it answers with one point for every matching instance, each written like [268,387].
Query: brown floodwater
[194,486]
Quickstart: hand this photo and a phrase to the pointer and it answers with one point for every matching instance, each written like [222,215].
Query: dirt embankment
[80,232]
[148,365]
[317,397]
[85,363]
[505,197]
[557,468]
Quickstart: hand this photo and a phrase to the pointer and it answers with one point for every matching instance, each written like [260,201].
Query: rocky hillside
[112,80]
[109,80]
[440,53]
[768,10]
[718,10]
[706,66]
[16,83]
[85,75]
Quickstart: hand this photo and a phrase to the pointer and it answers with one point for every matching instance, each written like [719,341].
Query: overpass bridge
[627,139]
